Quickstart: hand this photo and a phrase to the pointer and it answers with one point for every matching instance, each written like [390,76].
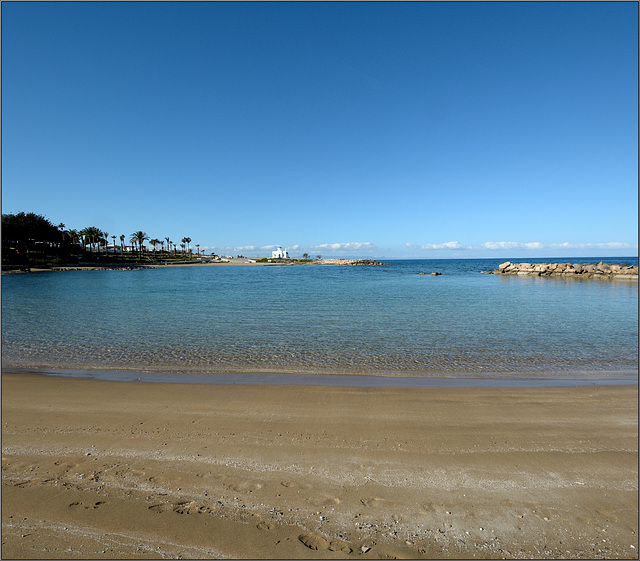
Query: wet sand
[102,469]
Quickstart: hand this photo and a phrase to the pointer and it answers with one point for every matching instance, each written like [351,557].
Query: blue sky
[424,130]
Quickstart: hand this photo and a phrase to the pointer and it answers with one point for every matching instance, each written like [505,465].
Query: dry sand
[95,469]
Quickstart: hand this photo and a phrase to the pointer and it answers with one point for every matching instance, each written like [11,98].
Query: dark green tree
[27,236]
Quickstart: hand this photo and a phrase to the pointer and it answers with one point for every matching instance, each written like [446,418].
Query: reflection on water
[320,319]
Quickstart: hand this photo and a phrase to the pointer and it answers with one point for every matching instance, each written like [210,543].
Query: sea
[324,324]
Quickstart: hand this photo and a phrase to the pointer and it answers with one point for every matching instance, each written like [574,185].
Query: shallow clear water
[323,319]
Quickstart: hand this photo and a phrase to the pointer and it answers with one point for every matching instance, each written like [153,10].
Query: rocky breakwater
[577,270]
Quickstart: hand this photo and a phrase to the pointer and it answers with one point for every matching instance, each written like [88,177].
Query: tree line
[29,238]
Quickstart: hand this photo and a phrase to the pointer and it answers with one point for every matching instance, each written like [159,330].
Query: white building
[280,253]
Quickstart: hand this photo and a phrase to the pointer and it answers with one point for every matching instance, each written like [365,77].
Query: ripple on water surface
[382,320]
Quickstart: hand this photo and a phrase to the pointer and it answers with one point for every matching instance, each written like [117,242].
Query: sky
[364,129]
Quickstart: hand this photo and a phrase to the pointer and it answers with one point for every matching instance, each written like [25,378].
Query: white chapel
[280,253]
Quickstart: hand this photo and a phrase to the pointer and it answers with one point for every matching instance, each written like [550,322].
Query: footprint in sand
[157,479]
[318,542]
[371,501]
[432,507]
[80,504]
[329,502]
[610,514]
[188,507]
[295,485]
[246,486]
[162,507]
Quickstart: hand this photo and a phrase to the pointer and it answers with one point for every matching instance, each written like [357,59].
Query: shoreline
[232,262]
[103,469]
[431,380]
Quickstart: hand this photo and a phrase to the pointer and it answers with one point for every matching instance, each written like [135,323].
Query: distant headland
[30,242]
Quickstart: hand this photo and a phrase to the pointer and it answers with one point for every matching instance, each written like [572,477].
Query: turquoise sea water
[384,320]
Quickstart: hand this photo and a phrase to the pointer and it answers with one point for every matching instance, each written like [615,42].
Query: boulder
[586,270]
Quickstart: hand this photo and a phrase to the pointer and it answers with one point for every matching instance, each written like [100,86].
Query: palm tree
[61,227]
[91,236]
[139,237]
[106,242]
[73,236]
[198,246]
[122,243]
[114,244]
[154,242]
[183,246]
[168,244]
[81,239]
[82,234]
[185,241]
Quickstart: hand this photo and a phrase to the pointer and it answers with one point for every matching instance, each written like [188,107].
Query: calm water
[324,320]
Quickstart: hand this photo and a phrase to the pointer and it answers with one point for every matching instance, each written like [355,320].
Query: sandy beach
[96,469]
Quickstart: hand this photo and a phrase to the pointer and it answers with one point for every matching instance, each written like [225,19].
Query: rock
[585,270]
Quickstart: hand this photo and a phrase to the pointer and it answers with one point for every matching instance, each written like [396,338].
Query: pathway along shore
[579,270]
